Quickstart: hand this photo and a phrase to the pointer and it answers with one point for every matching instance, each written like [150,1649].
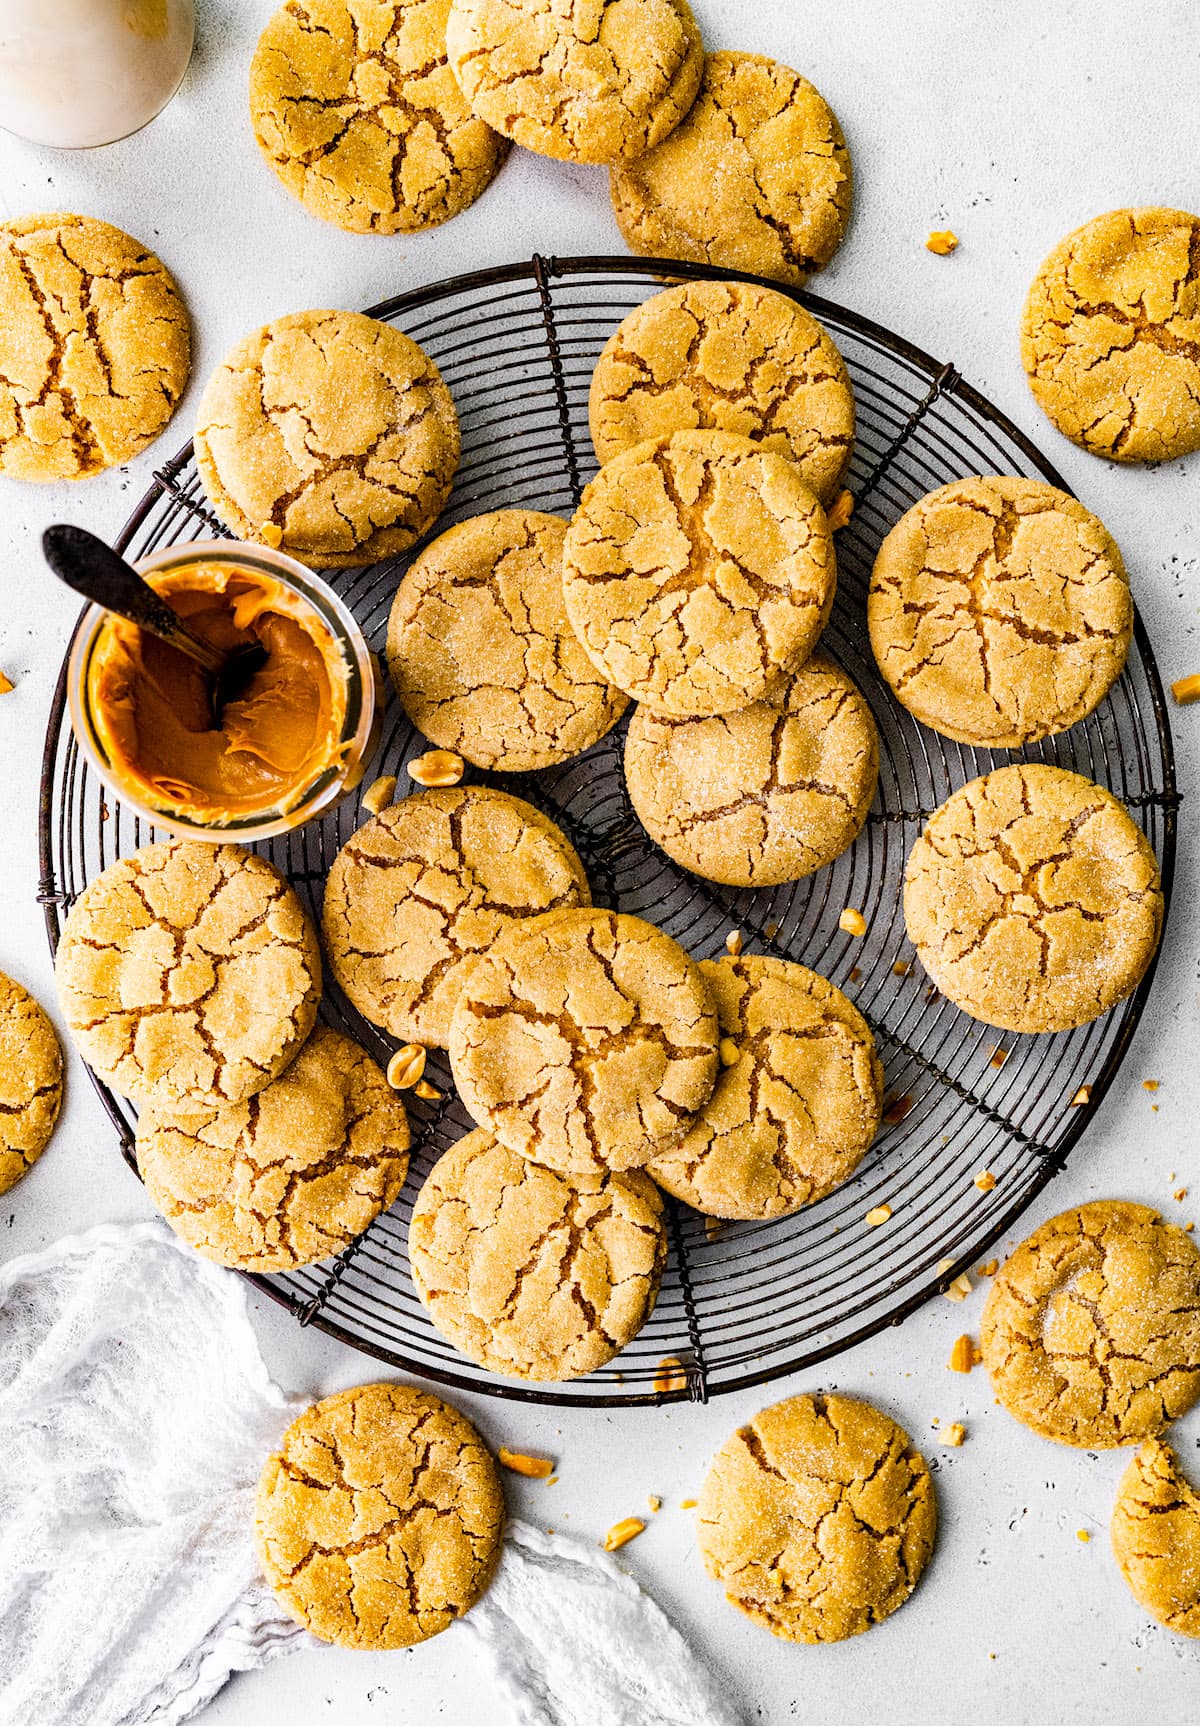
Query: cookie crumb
[688,1503]
[901,968]
[1082,1095]
[985,1180]
[437,767]
[734,943]
[380,794]
[954,1434]
[271,534]
[852,922]
[406,1067]
[855,974]
[713,1226]
[655,1503]
[1150,1084]
[532,1467]
[621,1533]
[771,930]
[840,510]
[1180,1195]
[960,1288]
[428,1093]
[942,241]
[989,1269]
[1187,689]
[880,1214]
[998,1056]
[964,1355]
[895,1109]
[1082,1534]
[670,1375]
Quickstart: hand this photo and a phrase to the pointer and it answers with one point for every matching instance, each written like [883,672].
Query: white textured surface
[1012,125]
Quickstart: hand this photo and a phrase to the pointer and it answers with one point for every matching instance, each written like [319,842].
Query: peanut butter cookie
[817,1518]
[415,896]
[189,975]
[95,349]
[586,80]
[482,655]
[292,1174]
[1111,335]
[1033,899]
[31,1081]
[999,611]
[1156,1538]
[756,178]
[529,1274]
[356,109]
[378,1521]
[330,436]
[586,1040]
[795,1112]
[1091,1331]
[697,571]
[765,795]
[727,356]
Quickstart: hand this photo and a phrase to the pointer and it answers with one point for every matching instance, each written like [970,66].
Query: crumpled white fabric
[135,1413]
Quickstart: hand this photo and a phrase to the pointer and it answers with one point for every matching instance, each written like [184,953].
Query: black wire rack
[749,1301]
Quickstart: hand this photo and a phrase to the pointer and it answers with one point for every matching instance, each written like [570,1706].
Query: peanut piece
[271,534]
[532,1467]
[729,1052]
[880,1214]
[621,1533]
[942,241]
[427,1092]
[378,795]
[840,510]
[954,1434]
[6,684]
[852,922]
[734,943]
[406,1066]
[670,1375]
[960,1288]
[1187,689]
[985,1180]
[437,767]
[1082,1095]
[964,1355]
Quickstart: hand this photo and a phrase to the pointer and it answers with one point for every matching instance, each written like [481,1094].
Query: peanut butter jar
[296,740]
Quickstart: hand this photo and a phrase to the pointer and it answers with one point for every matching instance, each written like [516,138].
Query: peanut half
[437,767]
[406,1066]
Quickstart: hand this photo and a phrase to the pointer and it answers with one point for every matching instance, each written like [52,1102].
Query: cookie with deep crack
[586,1040]
[756,178]
[697,571]
[584,80]
[999,611]
[1091,1332]
[1110,335]
[482,655]
[189,975]
[1155,1531]
[95,347]
[1033,899]
[378,1520]
[727,356]
[797,1107]
[529,1274]
[768,794]
[31,1081]
[817,1518]
[418,893]
[328,435]
[288,1176]
[356,109]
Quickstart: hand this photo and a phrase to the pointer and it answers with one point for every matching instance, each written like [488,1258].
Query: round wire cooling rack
[744,1302]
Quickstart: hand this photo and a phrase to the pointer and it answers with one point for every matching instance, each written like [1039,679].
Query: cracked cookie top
[1033,899]
[794,1114]
[95,349]
[378,1521]
[817,1518]
[1110,335]
[289,1175]
[529,1274]
[419,892]
[698,569]
[1091,1332]
[999,611]
[586,1040]
[585,80]
[727,356]
[328,435]
[31,1081]
[356,109]
[1156,1538]
[189,975]
[482,655]
[765,795]
[756,178]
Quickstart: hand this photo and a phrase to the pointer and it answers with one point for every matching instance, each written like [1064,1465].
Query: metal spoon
[93,569]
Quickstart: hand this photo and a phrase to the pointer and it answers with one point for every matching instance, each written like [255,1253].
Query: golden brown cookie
[765,795]
[1110,335]
[94,347]
[378,1520]
[586,1040]
[529,1274]
[586,80]
[421,890]
[1091,1331]
[697,571]
[330,436]
[481,653]
[189,975]
[817,1518]
[1033,899]
[999,611]
[1156,1538]
[795,1111]
[31,1081]
[288,1176]
[356,109]
[757,177]
[727,356]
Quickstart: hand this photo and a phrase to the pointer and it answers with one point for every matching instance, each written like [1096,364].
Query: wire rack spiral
[747,1302]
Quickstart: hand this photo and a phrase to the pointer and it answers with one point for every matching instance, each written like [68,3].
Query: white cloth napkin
[135,1412]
